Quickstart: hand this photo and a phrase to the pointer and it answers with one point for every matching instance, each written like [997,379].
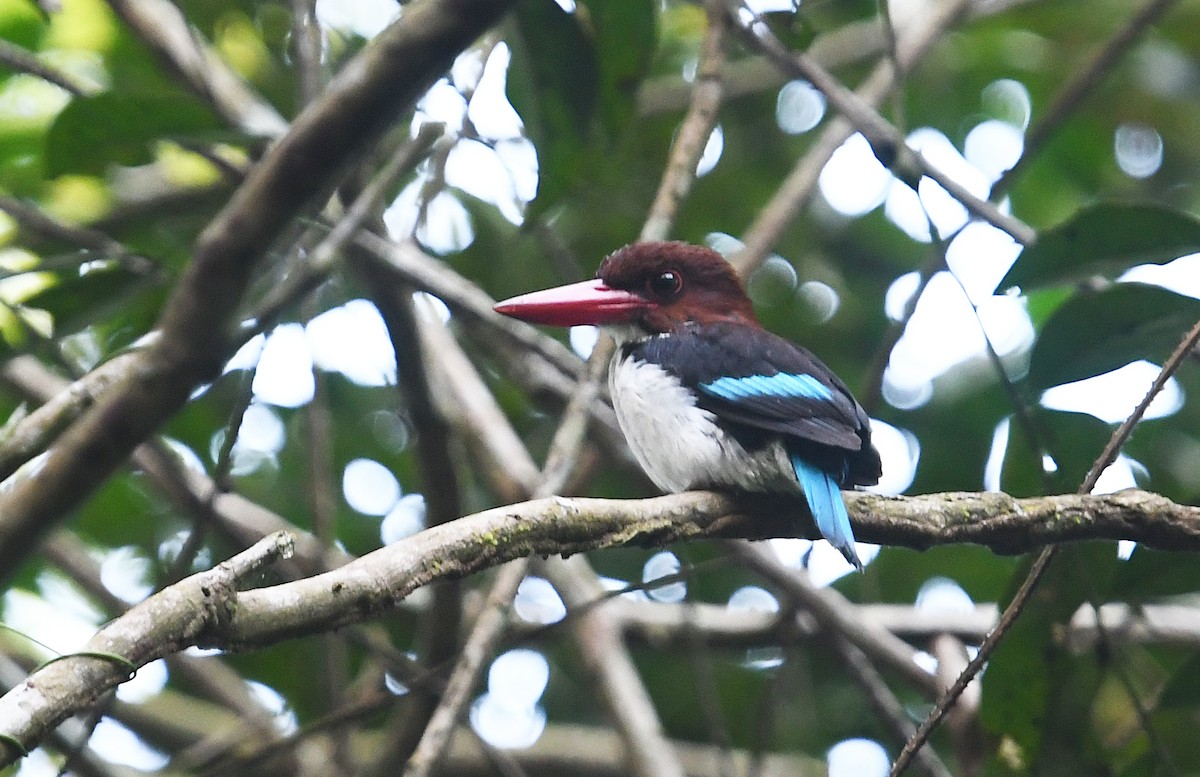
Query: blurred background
[993,354]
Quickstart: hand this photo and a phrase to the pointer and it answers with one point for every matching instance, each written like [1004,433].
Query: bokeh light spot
[663,564]
[369,487]
[1138,149]
[799,107]
[857,758]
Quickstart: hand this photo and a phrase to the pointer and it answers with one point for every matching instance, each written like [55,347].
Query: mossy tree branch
[206,610]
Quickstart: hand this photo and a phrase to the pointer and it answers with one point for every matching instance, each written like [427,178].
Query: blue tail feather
[828,509]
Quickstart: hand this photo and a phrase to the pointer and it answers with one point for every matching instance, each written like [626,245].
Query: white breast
[678,444]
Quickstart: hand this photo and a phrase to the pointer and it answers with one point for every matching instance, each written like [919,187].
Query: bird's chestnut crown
[653,287]
[681,282]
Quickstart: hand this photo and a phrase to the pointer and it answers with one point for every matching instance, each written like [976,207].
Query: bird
[705,396]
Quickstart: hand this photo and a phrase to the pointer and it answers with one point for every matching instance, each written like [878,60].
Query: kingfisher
[706,397]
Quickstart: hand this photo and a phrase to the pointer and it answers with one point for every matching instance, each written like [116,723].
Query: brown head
[654,287]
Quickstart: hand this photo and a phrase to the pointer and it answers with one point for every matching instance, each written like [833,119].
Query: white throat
[679,444]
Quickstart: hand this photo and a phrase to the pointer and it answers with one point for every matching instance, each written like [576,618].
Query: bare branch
[887,142]
[182,615]
[164,28]
[1072,93]
[387,76]
[494,447]
[37,222]
[666,626]
[193,492]
[694,132]
[1017,605]
[798,187]
[376,582]
[36,431]
[613,676]
[160,625]
[22,60]
[834,613]
[1119,437]
[847,45]
[587,751]
[887,707]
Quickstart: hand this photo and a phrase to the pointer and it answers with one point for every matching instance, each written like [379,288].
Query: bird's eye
[665,285]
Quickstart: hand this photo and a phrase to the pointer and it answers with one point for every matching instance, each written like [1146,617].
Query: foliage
[114,159]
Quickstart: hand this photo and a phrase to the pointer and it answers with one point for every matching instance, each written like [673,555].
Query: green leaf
[1034,691]
[1104,239]
[791,28]
[1151,574]
[22,23]
[1073,440]
[554,84]
[78,300]
[1042,303]
[1184,687]
[625,36]
[1094,333]
[92,133]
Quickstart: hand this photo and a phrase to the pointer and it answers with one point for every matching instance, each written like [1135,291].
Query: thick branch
[204,609]
[557,525]
[163,624]
[1008,525]
[378,581]
[360,104]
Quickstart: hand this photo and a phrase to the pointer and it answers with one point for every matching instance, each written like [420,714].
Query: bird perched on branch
[706,397]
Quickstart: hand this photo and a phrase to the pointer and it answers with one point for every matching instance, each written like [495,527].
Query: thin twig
[1072,93]
[694,132]
[887,707]
[306,47]
[469,302]
[1121,435]
[704,672]
[322,497]
[1166,763]
[845,47]
[963,721]
[597,637]
[833,612]
[478,648]
[800,185]
[951,695]
[328,253]
[34,433]
[22,60]
[37,221]
[870,394]
[892,39]
[888,143]
[1029,584]
[494,447]
[165,29]
[1035,436]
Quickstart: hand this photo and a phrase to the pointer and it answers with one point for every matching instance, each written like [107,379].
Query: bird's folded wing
[753,377]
